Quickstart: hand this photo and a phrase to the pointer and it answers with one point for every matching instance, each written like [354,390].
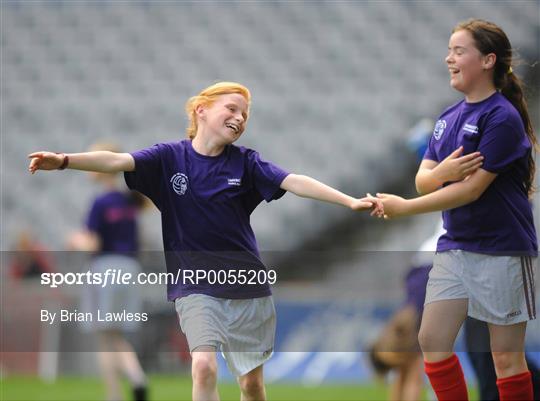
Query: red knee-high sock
[517,387]
[447,379]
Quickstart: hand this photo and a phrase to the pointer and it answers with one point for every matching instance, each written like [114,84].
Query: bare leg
[107,359]
[413,380]
[128,361]
[252,385]
[204,374]
[508,349]
[440,325]
[396,387]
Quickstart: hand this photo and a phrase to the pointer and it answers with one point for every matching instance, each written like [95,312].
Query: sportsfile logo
[117,277]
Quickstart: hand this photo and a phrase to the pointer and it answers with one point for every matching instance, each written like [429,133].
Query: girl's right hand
[455,168]
[393,206]
[45,161]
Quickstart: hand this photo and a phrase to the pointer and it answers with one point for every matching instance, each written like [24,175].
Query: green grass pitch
[176,388]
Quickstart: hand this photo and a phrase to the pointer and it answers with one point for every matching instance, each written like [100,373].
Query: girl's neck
[206,146]
[479,94]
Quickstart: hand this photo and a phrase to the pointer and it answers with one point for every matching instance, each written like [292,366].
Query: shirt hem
[501,252]
[223,295]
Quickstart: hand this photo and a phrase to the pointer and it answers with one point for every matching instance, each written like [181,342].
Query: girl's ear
[489,61]
[200,112]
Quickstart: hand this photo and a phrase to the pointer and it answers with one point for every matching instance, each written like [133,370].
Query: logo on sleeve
[440,126]
[179,183]
[473,129]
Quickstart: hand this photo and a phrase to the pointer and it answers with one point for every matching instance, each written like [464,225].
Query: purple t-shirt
[113,218]
[500,221]
[205,205]
[415,284]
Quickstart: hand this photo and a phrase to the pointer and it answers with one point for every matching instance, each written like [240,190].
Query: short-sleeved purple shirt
[113,218]
[205,204]
[500,222]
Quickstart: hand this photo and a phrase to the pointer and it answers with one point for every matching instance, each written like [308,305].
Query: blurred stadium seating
[336,87]
[334,84]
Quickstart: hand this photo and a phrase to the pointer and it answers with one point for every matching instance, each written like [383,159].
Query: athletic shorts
[100,300]
[242,329]
[500,289]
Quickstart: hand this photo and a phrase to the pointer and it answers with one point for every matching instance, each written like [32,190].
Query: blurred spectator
[29,258]
[418,137]
[396,349]
[111,235]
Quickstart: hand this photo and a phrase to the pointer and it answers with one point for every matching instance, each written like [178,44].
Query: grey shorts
[242,329]
[500,289]
[111,298]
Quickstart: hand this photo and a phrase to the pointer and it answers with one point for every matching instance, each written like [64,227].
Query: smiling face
[225,119]
[469,69]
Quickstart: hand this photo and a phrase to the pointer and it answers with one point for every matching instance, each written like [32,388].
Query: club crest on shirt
[439,129]
[179,183]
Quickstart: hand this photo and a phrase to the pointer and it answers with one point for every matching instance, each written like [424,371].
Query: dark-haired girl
[485,262]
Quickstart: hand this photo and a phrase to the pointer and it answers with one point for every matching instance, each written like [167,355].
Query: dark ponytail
[489,38]
[513,91]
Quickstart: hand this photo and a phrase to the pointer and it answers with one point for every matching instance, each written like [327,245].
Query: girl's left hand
[394,206]
[369,203]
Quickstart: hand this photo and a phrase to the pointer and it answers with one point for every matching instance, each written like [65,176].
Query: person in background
[29,258]
[396,349]
[111,236]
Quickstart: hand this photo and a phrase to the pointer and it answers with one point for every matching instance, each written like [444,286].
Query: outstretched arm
[99,161]
[308,187]
[450,197]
